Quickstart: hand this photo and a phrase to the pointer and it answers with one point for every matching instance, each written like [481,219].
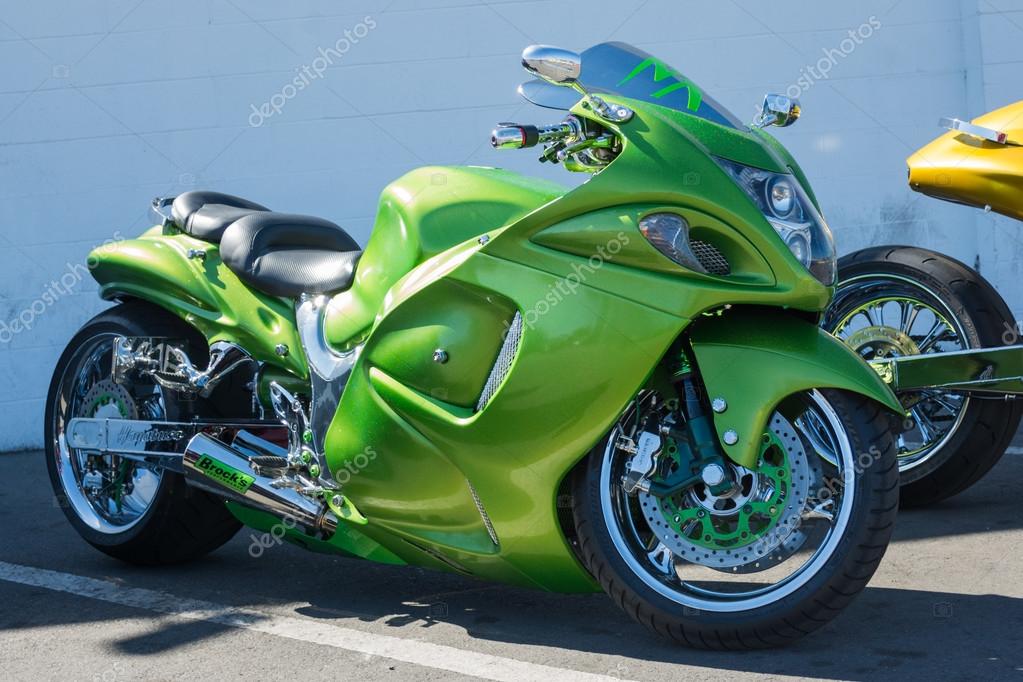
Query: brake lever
[602,142]
[552,153]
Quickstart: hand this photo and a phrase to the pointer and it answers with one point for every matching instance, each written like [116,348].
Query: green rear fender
[755,359]
[203,292]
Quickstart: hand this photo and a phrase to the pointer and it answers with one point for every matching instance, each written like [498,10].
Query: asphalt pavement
[947,603]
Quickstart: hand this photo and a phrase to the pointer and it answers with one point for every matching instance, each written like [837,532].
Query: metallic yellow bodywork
[968,170]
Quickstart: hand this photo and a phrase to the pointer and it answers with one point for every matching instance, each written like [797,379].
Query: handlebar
[521,136]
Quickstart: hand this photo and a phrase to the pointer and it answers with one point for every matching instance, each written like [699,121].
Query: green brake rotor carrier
[95,407]
[747,524]
[109,400]
[886,341]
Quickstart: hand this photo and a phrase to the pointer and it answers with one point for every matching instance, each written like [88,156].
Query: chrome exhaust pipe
[224,471]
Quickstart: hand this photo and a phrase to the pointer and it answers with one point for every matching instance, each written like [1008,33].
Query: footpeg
[292,413]
[269,462]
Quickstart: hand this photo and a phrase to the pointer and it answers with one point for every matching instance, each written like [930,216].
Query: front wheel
[773,559]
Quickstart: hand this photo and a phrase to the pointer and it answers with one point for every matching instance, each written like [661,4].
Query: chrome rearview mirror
[778,110]
[553,64]
[563,67]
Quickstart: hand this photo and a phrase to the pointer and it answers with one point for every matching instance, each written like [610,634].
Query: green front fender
[755,359]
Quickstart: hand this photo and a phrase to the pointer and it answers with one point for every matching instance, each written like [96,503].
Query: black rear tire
[181,523]
[987,426]
[831,589]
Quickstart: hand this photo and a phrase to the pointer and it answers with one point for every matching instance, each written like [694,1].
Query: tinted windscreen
[621,69]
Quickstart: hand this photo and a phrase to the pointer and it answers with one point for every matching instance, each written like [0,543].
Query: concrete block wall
[313,106]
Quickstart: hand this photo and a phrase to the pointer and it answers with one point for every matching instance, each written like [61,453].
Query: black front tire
[181,522]
[789,618]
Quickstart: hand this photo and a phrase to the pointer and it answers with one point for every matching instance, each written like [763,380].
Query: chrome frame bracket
[328,372]
[975,370]
[327,363]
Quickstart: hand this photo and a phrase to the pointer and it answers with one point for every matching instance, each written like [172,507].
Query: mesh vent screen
[711,258]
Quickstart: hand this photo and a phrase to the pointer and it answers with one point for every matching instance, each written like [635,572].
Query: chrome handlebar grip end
[508,137]
[521,136]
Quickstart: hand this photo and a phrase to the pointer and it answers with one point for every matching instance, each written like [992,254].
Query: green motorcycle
[622,386]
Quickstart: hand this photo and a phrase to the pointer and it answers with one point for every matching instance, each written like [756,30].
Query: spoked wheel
[776,557]
[899,301]
[133,511]
[888,316]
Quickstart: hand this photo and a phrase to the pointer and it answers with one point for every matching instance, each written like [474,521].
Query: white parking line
[420,653]
[1014,451]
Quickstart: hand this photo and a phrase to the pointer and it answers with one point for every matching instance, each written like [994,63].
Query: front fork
[692,446]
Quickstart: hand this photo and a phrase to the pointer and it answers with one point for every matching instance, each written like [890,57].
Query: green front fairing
[667,164]
[578,365]
[601,309]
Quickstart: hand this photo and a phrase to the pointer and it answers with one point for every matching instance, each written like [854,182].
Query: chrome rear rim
[883,316]
[109,494]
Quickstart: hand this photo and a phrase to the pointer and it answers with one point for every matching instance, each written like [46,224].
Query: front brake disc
[747,525]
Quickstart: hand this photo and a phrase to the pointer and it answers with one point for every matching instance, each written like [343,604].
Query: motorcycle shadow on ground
[946,601]
[912,621]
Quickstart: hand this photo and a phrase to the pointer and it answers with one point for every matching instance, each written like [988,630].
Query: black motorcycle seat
[205,215]
[287,255]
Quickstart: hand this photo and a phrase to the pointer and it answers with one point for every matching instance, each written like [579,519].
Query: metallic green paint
[612,235]
[754,359]
[422,214]
[666,162]
[552,408]
[202,291]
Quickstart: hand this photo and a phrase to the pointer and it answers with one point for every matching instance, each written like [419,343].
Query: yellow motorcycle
[937,332]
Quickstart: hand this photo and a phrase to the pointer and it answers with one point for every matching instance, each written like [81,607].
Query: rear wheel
[774,559]
[897,301]
[135,512]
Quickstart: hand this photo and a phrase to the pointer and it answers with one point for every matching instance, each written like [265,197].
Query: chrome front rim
[756,571]
[110,494]
[884,316]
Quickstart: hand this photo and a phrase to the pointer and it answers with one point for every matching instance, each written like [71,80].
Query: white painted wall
[107,103]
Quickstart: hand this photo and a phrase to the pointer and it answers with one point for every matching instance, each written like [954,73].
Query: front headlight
[786,205]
